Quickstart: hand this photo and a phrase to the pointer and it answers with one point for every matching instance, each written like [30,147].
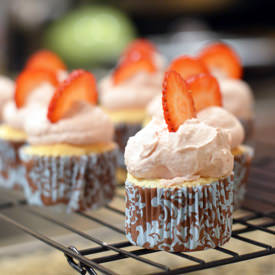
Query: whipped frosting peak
[195,150]
[237,97]
[85,126]
[135,92]
[221,118]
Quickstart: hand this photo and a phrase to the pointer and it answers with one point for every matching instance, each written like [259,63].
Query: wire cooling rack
[257,215]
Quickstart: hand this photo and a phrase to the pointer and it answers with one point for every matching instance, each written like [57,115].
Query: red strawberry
[188,66]
[79,86]
[45,59]
[205,91]
[177,102]
[222,58]
[129,68]
[139,47]
[28,80]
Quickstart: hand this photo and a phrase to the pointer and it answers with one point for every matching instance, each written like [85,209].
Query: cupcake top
[6,91]
[135,81]
[195,150]
[34,89]
[184,148]
[225,64]
[214,116]
[71,117]
[85,125]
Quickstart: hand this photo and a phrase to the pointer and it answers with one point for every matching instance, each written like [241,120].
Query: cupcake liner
[248,125]
[122,133]
[241,171]
[12,172]
[181,218]
[79,182]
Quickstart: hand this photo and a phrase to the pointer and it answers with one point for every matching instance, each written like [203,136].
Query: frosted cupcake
[238,98]
[33,89]
[179,185]
[125,93]
[71,156]
[208,103]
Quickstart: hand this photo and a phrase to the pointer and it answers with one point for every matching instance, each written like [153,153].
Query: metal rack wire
[259,216]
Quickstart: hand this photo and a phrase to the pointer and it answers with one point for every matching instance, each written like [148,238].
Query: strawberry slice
[129,68]
[222,58]
[188,66]
[205,91]
[45,59]
[28,80]
[139,47]
[79,86]
[177,102]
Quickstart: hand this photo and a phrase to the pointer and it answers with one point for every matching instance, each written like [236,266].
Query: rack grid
[259,209]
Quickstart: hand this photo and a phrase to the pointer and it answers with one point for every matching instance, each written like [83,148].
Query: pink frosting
[237,97]
[136,92]
[221,118]
[6,92]
[39,98]
[195,150]
[154,108]
[85,125]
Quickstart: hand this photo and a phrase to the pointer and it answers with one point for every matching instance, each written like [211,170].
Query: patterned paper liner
[180,219]
[248,125]
[122,133]
[12,172]
[241,171]
[79,182]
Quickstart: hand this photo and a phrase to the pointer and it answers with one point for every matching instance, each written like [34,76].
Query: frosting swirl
[6,92]
[195,150]
[221,118]
[237,97]
[39,98]
[135,92]
[85,125]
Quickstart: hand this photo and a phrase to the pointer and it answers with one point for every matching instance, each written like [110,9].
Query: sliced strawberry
[128,68]
[28,80]
[45,59]
[79,86]
[177,102]
[139,47]
[188,66]
[222,58]
[205,91]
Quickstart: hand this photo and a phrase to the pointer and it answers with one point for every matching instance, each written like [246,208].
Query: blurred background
[92,34]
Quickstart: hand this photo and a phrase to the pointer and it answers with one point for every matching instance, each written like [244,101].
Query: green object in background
[90,35]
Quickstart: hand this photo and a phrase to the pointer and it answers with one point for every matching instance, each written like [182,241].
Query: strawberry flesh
[188,66]
[177,101]
[223,59]
[205,91]
[80,86]
[45,59]
[30,79]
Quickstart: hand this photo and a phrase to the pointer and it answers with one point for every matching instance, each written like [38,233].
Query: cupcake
[33,88]
[238,98]
[205,88]
[179,188]
[125,93]
[70,159]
